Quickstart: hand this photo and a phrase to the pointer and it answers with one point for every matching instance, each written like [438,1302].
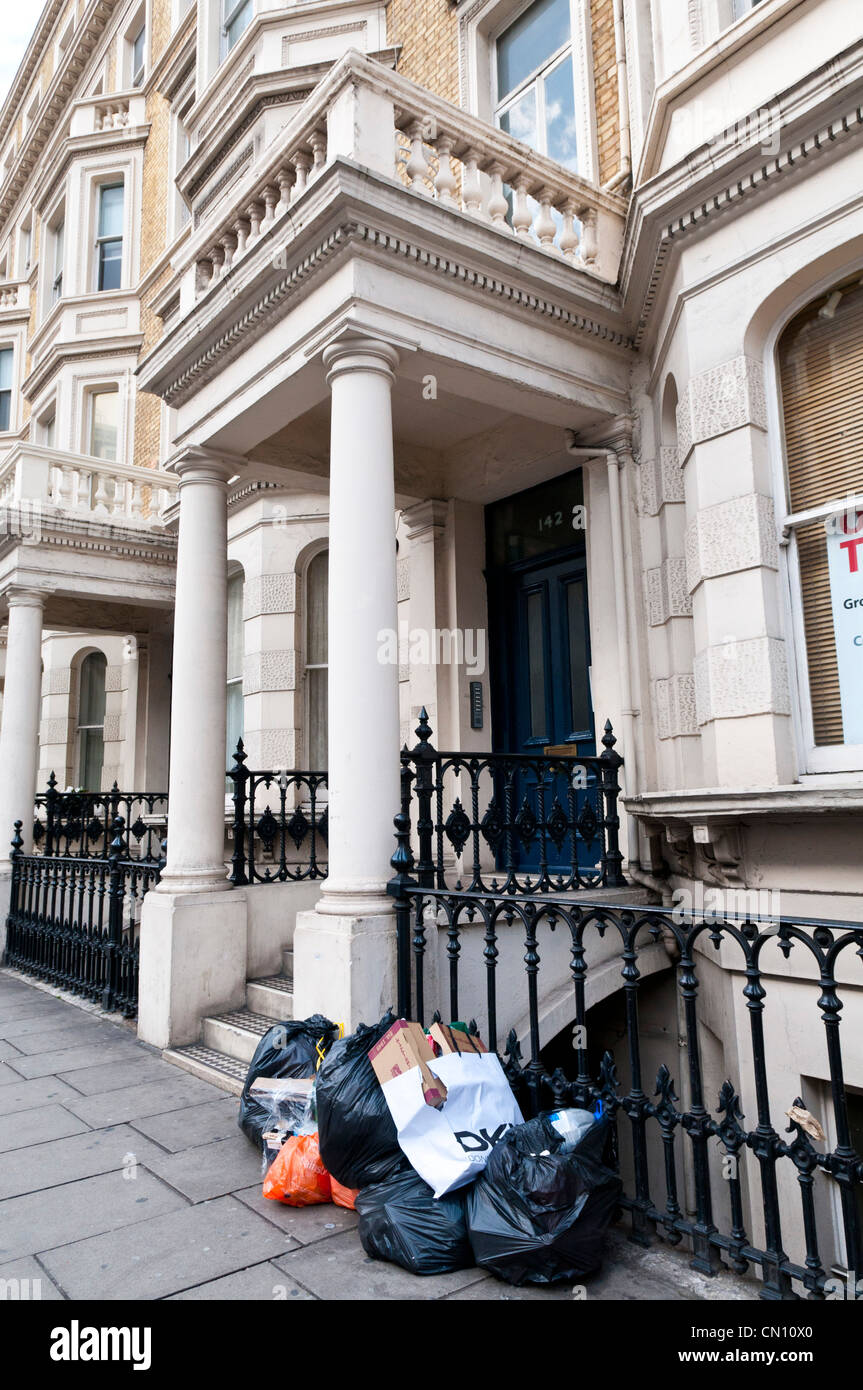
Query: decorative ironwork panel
[668,1141]
[280,824]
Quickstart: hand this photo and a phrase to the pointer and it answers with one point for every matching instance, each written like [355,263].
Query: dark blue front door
[551,703]
[541,661]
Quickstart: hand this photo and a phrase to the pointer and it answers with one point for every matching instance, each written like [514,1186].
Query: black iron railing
[499,935]
[517,823]
[280,824]
[81,824]
[74,918]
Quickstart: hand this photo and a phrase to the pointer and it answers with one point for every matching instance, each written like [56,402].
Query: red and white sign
[845,562]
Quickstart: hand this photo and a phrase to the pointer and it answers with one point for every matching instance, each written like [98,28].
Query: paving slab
[193,1125]
[166,1255]
[260,1283]
[21,1019]
[70,1059]
[131,1069]
[176,1091]
[46,1122]
[65,1160]
[306,1224]
[210,1170]
[62,1034]
[7,1074]
[8,1051]
[26,1095]
[72,1212]
[25,1280]
[341,1269]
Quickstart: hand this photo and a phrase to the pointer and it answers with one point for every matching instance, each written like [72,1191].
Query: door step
[228,1040]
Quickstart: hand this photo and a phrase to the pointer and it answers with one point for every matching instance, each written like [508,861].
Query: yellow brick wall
[605,87]
[428,33]
[154,228]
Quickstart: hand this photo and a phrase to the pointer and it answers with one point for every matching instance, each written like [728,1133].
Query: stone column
[193,935]
[344,951]
[19,734]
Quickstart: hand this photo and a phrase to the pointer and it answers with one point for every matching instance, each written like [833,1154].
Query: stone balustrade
[36,477]
[119,111]
[440,152]
[14,294]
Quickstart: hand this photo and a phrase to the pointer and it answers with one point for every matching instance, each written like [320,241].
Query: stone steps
[228,1040]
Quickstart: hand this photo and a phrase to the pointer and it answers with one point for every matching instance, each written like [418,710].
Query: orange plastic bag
[296,1175]
[344,1196]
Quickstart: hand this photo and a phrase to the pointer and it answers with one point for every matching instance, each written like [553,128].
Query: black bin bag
[288,1049]
[357,1134]
[400,1221]
[538,1215]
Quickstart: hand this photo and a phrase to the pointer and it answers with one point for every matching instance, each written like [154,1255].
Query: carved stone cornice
[815,117]
[61,87]
[252,316]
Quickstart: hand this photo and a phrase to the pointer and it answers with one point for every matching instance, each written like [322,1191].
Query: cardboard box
[454,1040]
[283,1087]
[403,1047]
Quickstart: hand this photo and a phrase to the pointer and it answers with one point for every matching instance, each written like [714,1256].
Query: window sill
[718,805]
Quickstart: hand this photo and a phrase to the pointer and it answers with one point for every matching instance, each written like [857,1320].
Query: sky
[18,19]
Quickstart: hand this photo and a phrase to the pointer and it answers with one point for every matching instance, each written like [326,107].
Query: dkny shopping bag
[450,1145]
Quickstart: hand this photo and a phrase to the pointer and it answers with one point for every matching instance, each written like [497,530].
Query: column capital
[360,354]
[24,598]
[200,465]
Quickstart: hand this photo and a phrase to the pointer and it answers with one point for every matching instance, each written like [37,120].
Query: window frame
[138,73]
[229,10]
[480,27]
[233,684]
[9,391]
[57,232]
[322,548]
[86,728]
[814,760]
[102,241]
[92,391]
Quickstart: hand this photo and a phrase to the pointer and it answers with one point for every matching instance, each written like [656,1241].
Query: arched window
[235,724]
[91,721]
[820,357]
[317,585]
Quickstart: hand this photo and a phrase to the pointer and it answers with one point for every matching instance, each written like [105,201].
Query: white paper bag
[450,1146]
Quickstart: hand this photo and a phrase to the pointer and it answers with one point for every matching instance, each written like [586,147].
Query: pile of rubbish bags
[419,1131]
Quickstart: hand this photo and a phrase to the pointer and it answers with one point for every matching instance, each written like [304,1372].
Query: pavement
[122,1177]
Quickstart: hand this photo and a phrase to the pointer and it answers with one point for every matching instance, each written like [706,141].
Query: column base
[344,967]
[193,963]
[194,881]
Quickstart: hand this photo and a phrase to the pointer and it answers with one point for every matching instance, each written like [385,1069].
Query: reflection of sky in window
[520,120]
[560,116]
[530,42]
